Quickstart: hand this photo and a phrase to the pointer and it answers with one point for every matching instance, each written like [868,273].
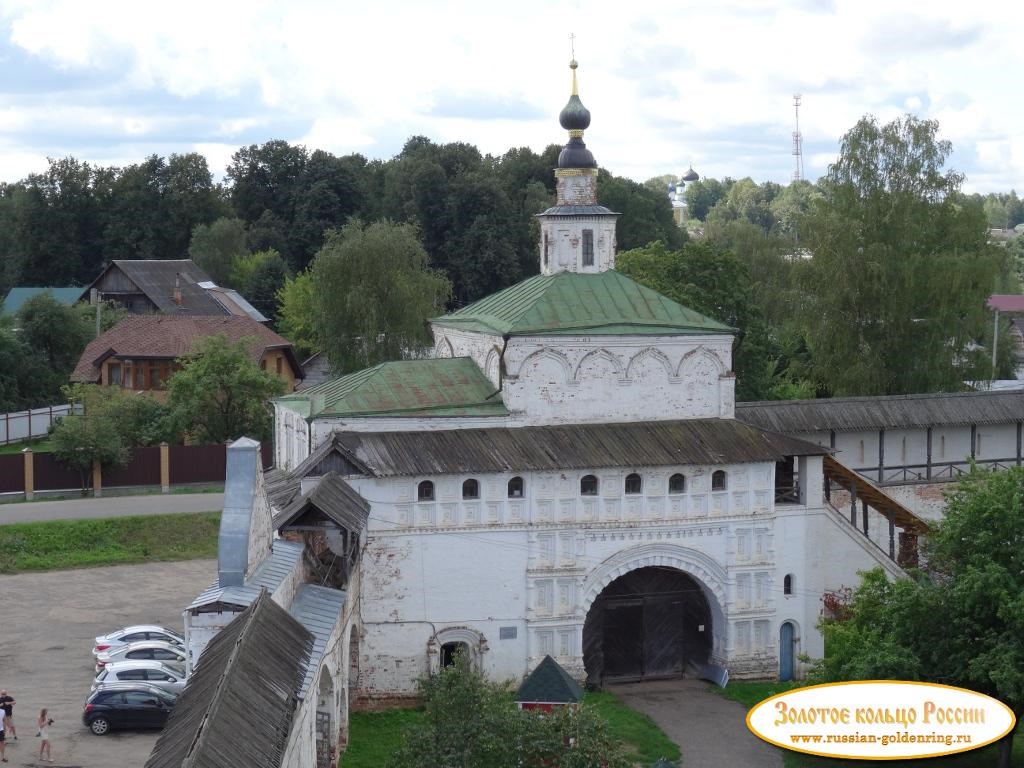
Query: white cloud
[662,79]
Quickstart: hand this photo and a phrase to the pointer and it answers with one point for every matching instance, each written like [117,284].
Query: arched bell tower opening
[653,622]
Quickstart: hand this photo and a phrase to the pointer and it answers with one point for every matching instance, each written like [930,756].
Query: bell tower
[576,234]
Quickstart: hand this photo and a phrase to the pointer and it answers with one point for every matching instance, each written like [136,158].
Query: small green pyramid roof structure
[549,684]
[452,386]
[568,303]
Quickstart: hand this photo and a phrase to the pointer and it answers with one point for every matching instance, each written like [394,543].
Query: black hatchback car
[127,705]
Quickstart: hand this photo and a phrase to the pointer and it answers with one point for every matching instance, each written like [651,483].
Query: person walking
[7,704]
[44,724]
[3,736]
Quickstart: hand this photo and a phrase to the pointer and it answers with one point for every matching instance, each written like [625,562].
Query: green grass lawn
[749,694]
[40,445]
[374,736]
[63,544]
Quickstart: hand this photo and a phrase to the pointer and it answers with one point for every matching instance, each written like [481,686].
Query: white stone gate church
[566,476]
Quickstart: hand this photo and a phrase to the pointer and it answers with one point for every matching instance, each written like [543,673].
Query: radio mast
[798,142]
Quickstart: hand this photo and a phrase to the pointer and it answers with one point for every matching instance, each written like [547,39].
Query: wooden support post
[30,478]
[974,439]
[1018,443]
[881,456]
[97,479]
[864,516]
[832,439]
[928,455]
[853,503]
[892,535]
[165,468]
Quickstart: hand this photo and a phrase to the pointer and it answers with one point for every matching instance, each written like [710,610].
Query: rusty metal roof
[452,386]
[891,412]
[237,709]
[580,446]
[607,303]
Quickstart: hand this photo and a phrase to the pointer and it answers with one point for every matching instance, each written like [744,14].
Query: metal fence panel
[51,475]
[197,463]
[12,473]
[142,469]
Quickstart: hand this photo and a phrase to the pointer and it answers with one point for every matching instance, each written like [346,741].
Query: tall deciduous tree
[959,621]
[372,294]
[900,271]
[296,314]
[220,393]
[215,247]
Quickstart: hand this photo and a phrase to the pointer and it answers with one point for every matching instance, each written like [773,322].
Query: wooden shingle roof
[556,448]
[888,412]
[238,706]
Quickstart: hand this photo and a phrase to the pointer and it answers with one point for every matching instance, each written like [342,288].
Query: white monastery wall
[482,348]
[520,574]
[291,438]
[586,379]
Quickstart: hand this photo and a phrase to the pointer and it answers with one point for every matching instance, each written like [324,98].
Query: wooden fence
[154,466]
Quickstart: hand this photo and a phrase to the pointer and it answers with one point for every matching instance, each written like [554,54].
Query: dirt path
[710,730]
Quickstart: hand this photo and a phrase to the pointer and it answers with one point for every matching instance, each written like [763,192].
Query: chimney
[176,296]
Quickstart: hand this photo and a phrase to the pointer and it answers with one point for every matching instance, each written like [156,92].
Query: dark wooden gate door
[663,636]
[652,622]
[623,638]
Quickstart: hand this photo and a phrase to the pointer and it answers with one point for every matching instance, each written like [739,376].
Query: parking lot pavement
[48,624]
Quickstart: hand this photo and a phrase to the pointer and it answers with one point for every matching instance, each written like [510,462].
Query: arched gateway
[653,622]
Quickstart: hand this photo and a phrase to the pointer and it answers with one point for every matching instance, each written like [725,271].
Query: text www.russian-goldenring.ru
[884,740]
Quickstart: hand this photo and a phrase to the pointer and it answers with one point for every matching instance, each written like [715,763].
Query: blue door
[786,651]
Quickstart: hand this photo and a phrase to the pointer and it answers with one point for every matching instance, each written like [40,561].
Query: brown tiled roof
[160,336]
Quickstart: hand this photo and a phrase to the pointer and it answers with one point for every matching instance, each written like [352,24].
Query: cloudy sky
[669,84]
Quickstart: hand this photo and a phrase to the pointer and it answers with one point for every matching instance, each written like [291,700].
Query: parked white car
[136,634]
[141,670]
[154,650]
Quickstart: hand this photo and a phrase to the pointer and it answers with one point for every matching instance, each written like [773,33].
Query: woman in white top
[44,724]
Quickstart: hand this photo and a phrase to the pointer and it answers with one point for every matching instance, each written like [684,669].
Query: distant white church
[566,476]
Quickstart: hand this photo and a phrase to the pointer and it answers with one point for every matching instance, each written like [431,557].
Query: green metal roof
[452,386]
[569,303]
[16,297]
[549,683]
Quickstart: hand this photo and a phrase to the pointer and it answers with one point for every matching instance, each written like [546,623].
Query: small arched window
[515,488]
[787,584]
[677,484]
[471,489]
[634,484]
[588,486]
[425,491]
[718,480]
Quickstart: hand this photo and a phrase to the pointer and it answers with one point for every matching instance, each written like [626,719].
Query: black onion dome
[690,175]
[574,116]
[576,155]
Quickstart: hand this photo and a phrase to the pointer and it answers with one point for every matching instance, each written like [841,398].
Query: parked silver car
[134,634]
[141,670]
[146,649]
